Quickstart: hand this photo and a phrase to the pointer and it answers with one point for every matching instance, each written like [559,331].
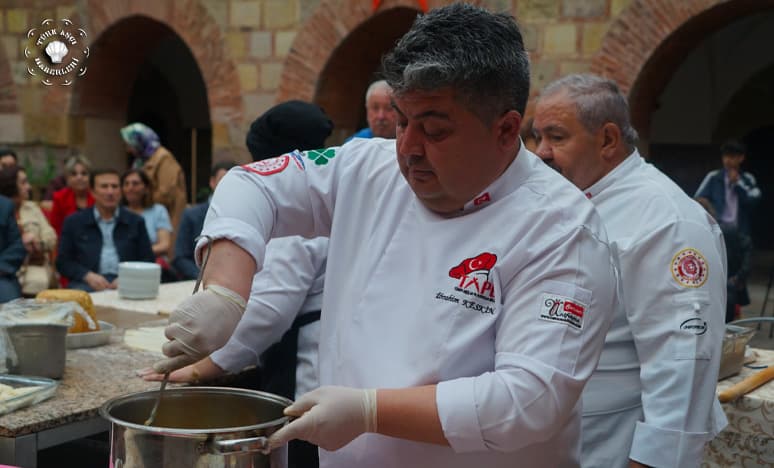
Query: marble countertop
[170,295]
[92,377]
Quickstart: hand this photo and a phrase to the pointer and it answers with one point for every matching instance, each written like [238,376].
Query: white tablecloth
[748,440]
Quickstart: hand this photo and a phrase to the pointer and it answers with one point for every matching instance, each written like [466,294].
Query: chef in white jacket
[468,287]
[652,400]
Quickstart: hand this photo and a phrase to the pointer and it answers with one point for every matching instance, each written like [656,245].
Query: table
[92,376]
[170,295]
[748,440]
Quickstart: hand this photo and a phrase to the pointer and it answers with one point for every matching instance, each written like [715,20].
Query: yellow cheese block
[81,297]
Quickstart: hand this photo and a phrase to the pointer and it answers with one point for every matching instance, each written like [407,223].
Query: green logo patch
[322,156]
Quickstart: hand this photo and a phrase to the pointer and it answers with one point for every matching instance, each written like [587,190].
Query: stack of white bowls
[138,280]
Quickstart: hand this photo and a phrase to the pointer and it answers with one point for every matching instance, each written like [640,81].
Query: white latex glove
[330,417]
[199,325]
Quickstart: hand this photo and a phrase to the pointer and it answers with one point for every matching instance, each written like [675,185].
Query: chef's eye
[436,133]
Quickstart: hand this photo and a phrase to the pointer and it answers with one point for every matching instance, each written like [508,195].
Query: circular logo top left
[56,52]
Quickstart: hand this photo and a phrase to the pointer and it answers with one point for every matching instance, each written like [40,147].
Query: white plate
[91,339]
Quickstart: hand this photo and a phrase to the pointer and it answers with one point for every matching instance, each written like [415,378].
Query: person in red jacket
[76,196]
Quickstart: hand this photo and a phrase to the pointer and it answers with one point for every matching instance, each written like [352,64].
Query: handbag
[36,278]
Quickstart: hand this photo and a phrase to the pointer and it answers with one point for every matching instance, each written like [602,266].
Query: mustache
[413,160]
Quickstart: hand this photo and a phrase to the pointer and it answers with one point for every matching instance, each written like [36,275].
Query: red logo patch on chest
[473,274]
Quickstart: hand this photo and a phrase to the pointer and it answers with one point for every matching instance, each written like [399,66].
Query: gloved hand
[330,417]
[199,325]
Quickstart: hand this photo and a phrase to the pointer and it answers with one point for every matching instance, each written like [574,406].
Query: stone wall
[254,53]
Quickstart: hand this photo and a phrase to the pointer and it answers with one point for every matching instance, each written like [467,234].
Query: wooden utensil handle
[748,384]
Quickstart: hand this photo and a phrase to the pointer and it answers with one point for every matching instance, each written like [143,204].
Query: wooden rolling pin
[748,384]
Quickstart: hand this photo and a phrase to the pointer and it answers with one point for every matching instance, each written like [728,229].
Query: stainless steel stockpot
[196,427]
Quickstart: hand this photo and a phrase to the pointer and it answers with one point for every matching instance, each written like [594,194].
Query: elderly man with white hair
[651,401]
[379,112]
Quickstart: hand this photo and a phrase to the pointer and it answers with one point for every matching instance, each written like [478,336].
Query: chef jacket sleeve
[278,292]
[542,359]
[292,194]
[674,290]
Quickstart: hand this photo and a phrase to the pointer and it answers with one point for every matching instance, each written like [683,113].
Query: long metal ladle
[152,417]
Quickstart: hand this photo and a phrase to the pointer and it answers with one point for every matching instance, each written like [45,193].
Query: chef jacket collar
[516,173]
[631,161]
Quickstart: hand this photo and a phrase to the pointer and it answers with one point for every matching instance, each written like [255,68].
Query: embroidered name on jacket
[561,309]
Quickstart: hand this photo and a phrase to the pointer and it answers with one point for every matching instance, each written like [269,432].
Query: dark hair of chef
[291,125]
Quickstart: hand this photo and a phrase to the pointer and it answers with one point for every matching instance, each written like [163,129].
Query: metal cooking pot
[196,427]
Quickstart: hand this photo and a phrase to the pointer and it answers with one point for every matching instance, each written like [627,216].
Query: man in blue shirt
[95,240]
[730,195]
[380,114]
[731,191]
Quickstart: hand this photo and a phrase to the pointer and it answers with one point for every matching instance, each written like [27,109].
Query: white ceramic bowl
[138,280]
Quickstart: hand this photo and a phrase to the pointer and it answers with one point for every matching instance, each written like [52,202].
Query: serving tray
[91,339]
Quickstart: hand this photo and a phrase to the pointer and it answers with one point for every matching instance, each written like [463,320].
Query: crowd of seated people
[91,219]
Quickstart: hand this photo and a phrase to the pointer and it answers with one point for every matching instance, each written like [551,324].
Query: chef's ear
[507,129]
[611,140]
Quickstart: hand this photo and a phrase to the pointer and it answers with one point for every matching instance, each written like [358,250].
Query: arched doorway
[155,81]
[338,80]
[682,69]
[722,89]
[354,65]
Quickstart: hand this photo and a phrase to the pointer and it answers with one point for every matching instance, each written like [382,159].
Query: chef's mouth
[420,174]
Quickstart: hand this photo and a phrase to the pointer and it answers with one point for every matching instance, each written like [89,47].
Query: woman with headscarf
[160,165]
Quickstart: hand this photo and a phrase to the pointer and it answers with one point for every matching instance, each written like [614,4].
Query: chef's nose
[542,149]
[409,140]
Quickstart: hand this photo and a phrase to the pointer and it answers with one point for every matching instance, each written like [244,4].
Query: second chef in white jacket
[652,401]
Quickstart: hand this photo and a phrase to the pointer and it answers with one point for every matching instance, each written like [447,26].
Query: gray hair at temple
[479,54]
[599,101]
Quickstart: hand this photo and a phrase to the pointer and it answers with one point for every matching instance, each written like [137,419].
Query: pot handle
[230,446]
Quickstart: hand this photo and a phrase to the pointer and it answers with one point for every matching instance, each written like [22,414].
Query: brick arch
[650,38]
[322,34]
[193,23]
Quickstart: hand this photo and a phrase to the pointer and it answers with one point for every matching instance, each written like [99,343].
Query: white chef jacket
[663,350]
[290,284]
[504,306]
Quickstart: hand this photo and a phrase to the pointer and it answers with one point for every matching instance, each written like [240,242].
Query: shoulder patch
[321,156]
[269,166]
[562,309]
[689,268]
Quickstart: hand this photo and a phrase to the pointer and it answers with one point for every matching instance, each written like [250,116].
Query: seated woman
[37,235]
[137,196]
[76,196]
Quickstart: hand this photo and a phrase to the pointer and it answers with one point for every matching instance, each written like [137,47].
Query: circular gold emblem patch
[689,268]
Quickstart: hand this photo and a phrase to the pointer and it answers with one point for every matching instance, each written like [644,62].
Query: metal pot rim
[104,411]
